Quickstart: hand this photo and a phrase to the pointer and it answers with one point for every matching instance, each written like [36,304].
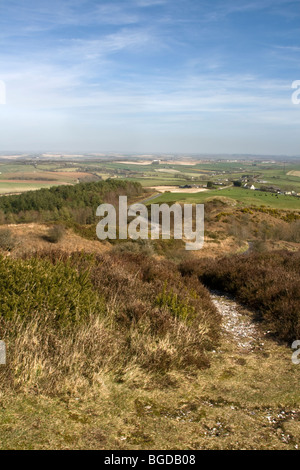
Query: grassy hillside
[124,353]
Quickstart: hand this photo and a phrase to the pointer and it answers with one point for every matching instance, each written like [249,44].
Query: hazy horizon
[118,154]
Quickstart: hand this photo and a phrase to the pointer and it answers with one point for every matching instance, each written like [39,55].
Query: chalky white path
[238,326]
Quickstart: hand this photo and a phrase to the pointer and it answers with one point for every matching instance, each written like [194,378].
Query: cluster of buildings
[271,189]
[248,180]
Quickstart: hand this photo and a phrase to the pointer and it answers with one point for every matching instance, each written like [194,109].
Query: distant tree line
[75,204]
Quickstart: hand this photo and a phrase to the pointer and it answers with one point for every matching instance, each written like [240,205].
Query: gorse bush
[7,240]
[37,286]
[267,282]
[55,234]
[181,309]
[71,320]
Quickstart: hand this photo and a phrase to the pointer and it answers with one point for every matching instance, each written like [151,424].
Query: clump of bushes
[7,240]
[288,232]
[33,285]
[69,321]
[137,246]
[267,282]
[56,234]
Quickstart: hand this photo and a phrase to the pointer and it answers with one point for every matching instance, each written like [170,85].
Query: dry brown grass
[241,402]
[31,238]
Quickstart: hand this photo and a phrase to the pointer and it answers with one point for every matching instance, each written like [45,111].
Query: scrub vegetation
[122,345]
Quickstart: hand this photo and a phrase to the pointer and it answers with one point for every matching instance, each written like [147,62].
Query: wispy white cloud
[52,87]
[149,3]
[127,67]
[229,7]
[123,39]
[288,48]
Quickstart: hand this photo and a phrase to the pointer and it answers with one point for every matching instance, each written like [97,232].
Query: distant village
[247,182]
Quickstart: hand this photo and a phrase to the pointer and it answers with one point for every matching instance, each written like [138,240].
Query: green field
[17,187]
[241,196]
[15,168]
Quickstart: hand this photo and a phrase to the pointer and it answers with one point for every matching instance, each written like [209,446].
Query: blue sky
[187,76]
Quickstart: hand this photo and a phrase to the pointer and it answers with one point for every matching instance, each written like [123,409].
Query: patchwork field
[18,177]
[236,196]
[180,179]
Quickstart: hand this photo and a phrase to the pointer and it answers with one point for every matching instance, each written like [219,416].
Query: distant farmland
[237,195]
[17,178]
